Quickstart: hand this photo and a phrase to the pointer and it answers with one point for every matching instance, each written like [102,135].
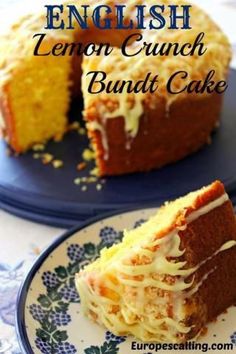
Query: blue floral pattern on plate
[51,309]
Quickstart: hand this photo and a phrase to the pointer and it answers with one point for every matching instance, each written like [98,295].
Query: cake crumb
[57,163]
[82,131]
[94,172]
[84,188]
[81,166]
[88,155]
[99,187]
[74,126]
[47,158]
[77,181]
[37,156]
[89,179]
[92,179]
[38,147]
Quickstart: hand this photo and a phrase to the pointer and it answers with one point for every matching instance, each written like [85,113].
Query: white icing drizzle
[198,285]
[94,125]
[204,210]
[132,115]
[150,297]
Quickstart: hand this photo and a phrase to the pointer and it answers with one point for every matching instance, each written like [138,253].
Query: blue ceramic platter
[49,316]
[44,194]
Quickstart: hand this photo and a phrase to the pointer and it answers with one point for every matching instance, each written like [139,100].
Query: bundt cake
[171,275]
[129,131]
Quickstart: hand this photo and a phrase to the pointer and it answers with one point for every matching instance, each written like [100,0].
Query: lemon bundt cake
[129,131]
[170,276]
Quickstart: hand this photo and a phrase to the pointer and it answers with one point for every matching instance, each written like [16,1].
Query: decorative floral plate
[49,318]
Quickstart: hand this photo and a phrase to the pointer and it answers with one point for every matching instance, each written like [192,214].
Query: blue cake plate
[44,194]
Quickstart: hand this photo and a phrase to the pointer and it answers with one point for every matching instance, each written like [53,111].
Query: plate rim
[20,327]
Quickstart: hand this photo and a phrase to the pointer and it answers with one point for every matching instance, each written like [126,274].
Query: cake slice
[170,276]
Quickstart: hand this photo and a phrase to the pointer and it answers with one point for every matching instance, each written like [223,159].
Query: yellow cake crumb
[84,188]
[37,156]
[77,181]
[74,126]
[91,179]
[82,131]
[88,155]
[57,163]
[38,147]
[47,158]
[94,172]
[99,187]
